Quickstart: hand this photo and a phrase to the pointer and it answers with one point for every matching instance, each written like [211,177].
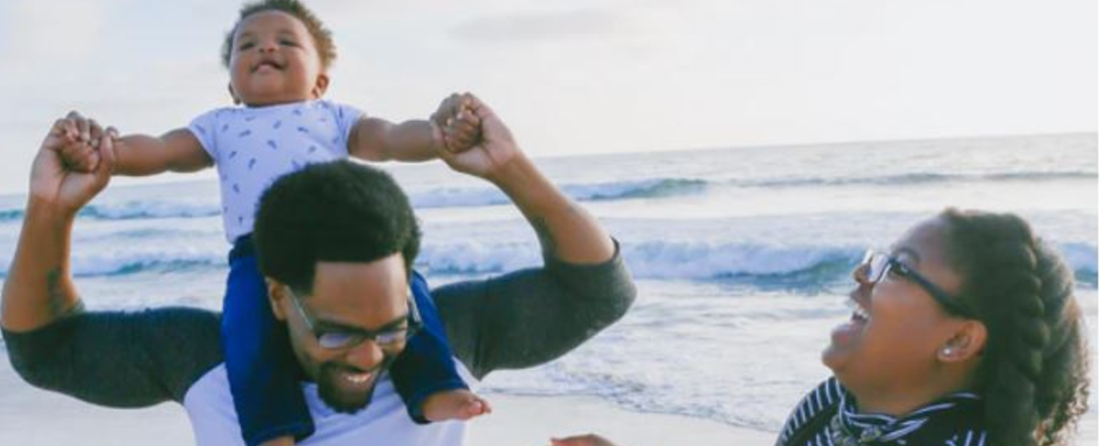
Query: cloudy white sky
[586,76]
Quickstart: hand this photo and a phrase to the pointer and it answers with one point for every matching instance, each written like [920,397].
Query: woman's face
[896,329]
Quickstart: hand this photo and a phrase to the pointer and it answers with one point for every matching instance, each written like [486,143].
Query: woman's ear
[276,295]
[968,342]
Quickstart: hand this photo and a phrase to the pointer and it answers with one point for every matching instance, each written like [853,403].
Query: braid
[1062,395]
[1032,373]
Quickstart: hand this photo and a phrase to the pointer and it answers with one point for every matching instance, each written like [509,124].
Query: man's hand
[56,183]
[80,138]
[581,440]
[496,147]
[459,127]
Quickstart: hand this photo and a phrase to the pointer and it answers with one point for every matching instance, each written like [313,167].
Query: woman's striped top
[828,416]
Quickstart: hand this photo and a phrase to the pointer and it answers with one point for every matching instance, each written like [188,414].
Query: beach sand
[31,417]
[531,421]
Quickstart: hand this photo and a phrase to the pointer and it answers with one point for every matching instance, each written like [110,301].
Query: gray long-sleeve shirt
[136,359]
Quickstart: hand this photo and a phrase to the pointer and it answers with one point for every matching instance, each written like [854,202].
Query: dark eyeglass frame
[345,339]
[884,262]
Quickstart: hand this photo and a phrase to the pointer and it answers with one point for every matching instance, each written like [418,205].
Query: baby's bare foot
[458,404]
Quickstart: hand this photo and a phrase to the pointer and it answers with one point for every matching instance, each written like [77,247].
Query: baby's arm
[135,155]
[175,151]
[452,127]
[375,139]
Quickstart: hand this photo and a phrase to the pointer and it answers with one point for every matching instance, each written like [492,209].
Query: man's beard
[330,393]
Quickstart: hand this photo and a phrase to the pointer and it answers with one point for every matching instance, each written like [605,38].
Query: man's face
[347,298]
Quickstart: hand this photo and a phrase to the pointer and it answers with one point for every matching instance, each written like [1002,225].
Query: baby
[277,55]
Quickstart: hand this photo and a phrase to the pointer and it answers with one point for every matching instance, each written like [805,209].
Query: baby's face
[274,61]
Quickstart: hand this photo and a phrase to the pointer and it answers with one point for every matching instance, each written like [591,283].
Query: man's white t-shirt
[384,422]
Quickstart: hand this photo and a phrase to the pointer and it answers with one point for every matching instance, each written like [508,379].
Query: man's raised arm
[116,359]
[533,316]
[39,288]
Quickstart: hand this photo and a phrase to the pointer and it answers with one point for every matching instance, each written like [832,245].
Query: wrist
[528,188]
[46,210]
[516,172]
[436,136]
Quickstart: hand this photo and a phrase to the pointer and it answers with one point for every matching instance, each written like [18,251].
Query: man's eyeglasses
[342,339]
[876,265]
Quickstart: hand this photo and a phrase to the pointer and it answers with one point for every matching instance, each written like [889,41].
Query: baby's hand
[80,141]
[462,131]
[459,126]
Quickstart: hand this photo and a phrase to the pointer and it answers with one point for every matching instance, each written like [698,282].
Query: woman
[965,333]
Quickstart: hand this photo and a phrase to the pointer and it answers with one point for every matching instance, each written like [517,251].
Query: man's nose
[365,356]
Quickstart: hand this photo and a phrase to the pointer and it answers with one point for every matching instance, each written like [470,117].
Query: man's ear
[320,86]
[236,100]
[276,295]
[967,343]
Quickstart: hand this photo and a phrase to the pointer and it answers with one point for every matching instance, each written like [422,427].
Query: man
[138,359]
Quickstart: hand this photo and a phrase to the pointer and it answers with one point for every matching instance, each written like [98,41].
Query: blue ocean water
[742,254]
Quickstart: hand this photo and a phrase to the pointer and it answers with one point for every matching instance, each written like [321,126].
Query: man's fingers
[71,131]
[463,140]
[446,109]
[75,155]
[95,133]
[74,119]
[479,108]
[107,153]
[81,125]
[60,127]
[466,127]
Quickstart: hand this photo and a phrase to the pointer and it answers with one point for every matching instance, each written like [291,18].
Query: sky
[585,76]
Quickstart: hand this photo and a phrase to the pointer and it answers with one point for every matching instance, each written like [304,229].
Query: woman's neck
[900,401]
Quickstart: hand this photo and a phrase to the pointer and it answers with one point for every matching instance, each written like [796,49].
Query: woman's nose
[859,274]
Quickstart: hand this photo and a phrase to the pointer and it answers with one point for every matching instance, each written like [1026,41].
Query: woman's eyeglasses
[876,265]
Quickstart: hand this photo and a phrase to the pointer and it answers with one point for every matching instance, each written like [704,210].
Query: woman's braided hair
[1034,370]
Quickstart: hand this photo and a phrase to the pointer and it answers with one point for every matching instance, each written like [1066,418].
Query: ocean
[741,255]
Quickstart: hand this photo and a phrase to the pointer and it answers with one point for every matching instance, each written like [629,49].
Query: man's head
[277,52]
[336,243]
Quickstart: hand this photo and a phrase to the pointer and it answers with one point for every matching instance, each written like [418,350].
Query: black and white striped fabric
[827,416]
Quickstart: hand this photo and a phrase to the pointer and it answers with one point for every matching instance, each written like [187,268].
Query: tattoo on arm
[56,298]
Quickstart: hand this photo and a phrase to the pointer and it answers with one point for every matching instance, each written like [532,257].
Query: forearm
[413,141]
[141,155]
[566,231]
[39,288]
[409,141]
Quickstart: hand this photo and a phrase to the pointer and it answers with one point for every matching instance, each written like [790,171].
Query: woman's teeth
[860,314]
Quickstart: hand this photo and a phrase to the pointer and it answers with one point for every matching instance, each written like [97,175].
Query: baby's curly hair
[1034,372]
[322,37]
